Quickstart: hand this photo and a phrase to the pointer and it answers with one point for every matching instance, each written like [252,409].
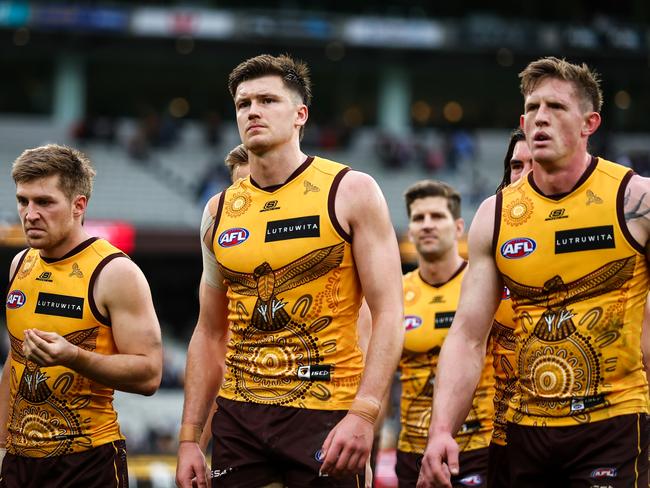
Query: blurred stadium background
[403,90]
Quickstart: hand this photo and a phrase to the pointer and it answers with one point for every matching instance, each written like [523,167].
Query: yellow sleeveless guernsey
[579,283]
[293,292]
[53,410]
[428,313]
[503,343]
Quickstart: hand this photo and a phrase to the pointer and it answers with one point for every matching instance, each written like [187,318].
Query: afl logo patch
[233,237]
[15,299]
[412,322]
[517,248]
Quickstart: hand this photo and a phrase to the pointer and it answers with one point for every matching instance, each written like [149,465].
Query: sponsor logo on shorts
[233,237]
[316,372]
[585,239]
[604,473]
[472,480]
[298,228]
[412,322]
[60,305]
[218,473]
[319,456]
[15,299]
[443,320]
[518,248]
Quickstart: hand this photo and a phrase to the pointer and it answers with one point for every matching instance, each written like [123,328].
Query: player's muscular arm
[6,371]
[636,208]
[362,211]
[465,342]
[205,365]
[121,293]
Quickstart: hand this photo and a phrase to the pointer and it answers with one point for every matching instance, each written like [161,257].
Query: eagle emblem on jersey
[38,413]
[266,283]
[557,363]
[556,323]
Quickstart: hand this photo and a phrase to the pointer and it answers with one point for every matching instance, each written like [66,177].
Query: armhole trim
[620,214]
[217,217]
[497,222]
[18,265]
[331,209]
[102,319]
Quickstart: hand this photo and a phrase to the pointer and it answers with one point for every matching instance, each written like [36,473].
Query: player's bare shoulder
[358,199]
[15,261]
[636,208]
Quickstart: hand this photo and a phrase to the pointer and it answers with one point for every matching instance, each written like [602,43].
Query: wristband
[366,408]
[189,433]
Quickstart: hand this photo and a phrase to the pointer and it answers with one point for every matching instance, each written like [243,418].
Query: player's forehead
[550,88]
[521,151]
[264,85]
[430,205]
[46,186]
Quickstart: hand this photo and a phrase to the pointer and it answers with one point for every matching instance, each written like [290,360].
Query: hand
[48,348]
[191,469]
[439,463]
[347,447]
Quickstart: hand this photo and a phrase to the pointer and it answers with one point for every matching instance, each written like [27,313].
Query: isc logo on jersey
[412,322]
[15,299]
[517,248]
[233,237]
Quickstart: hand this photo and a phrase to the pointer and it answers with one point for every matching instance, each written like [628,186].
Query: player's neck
[561,177]
[439,271]
[275,166]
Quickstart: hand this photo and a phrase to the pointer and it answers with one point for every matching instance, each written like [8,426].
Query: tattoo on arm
[634,211]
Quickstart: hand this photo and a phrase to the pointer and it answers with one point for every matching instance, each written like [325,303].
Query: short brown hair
[74,169]
[433,188]
[294,73]
[585,81]
[235,158]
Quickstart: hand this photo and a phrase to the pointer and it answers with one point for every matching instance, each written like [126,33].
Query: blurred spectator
[94,129]
[212,127]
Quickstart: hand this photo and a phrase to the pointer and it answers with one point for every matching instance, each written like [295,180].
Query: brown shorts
[473,468]
[254,445]
[610,453]
[101,467]
[498,469]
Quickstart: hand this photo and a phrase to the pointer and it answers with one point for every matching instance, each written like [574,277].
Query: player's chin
[36,242]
